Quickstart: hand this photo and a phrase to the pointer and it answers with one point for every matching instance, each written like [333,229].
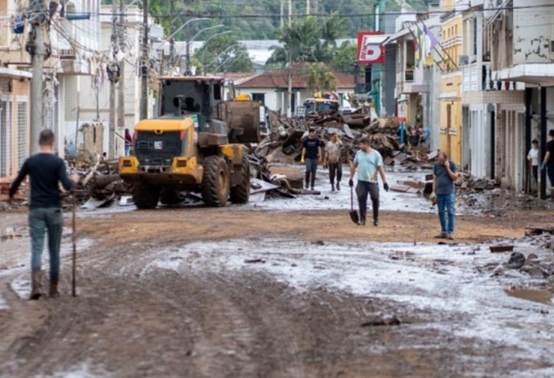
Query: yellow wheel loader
[195,145]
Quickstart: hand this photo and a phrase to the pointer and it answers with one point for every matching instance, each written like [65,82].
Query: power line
[352,15]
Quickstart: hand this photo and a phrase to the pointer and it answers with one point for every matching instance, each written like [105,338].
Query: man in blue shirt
[46,172]
[444,178]
[369,164]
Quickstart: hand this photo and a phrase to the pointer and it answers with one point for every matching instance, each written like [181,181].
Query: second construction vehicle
[195,145]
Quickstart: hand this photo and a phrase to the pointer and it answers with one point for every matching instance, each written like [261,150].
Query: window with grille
[22,132]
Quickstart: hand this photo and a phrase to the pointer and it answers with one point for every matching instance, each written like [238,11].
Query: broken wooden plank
[538,230]
[413,184]
[501,248]
[399,188]
[433,155]
[259,186]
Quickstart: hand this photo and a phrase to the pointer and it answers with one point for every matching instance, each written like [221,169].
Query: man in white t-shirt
[369,164]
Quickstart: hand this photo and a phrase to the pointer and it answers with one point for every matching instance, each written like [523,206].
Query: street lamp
[188,71]
[221,53]
[172,41]
[208,40]
[230,59]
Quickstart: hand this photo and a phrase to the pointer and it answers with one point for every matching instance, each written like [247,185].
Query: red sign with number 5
[370,50]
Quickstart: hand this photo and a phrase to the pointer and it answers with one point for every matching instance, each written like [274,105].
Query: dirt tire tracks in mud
[134,318]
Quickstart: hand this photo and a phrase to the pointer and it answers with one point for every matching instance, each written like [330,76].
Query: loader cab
[191,95]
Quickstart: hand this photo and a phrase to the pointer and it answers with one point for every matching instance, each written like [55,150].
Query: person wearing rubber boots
[46,171]
[333,151]
[369,164]
[311,155]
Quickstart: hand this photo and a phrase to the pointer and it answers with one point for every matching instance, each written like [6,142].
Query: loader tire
[241,192]
[215,183]
[145,196]
[170,197]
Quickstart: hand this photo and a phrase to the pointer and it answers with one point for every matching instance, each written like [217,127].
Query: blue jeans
[51,221]
[445,203]
[127,150]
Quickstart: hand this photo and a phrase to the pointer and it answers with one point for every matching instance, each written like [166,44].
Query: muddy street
[250,293]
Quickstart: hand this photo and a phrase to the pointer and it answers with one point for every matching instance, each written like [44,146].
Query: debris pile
[284,142]
[279,180]
[99,184]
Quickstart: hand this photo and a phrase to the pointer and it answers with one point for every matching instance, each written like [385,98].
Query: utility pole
[289,74]
[282,19]
[113,77]
[37,15]
[171,33]
[144,64]
[290,13]
[308,7]
[121,83]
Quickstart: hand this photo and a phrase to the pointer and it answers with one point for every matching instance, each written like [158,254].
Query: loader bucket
[242,119]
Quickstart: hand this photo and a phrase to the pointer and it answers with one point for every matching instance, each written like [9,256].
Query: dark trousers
[311,170]
[335,171]
[535,170]
[51,222]
[363,189]
[550,171]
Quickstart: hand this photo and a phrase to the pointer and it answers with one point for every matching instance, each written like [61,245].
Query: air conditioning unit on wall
[463,60]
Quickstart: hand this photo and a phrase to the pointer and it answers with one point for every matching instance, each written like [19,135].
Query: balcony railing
[66,54]
[478,77]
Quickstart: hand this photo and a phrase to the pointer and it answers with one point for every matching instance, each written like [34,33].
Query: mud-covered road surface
[250,293]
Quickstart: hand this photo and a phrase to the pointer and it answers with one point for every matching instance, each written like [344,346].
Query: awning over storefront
[12,73]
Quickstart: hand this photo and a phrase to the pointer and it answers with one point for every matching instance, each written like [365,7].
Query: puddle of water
[533,295]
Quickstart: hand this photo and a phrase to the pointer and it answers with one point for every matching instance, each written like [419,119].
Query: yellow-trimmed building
[450,98]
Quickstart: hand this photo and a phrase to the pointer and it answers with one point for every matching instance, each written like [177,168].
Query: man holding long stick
[46,172]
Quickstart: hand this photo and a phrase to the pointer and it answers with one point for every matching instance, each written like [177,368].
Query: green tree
[260,19]
[319,77]
[223,54]
[345,58]
[308,40]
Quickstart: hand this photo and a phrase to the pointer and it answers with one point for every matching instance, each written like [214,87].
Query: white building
[94,90]
[271,88]
[485,101]
[76,43]
[418,83]
[521,50]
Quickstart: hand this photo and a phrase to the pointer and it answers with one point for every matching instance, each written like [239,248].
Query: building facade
[486,102]
[522,50]
[450,99]
[271,89]
[14,120]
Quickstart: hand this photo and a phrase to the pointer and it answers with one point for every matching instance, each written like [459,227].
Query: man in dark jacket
[312,154]
[46,172]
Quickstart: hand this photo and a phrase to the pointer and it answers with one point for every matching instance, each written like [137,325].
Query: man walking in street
[333,159]
[311,155]
[369,164]
[46,172]
[444,178]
